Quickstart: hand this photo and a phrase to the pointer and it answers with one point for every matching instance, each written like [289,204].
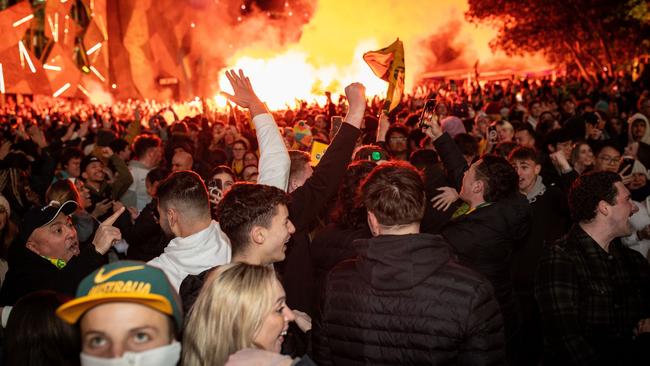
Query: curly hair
[247,205]
[588,190]
[394,193]
[499,177]
[350,211]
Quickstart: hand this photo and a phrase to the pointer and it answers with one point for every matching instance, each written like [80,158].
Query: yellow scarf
[464,209]
[58,263]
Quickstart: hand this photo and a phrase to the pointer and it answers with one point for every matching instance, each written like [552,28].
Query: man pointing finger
[47,254]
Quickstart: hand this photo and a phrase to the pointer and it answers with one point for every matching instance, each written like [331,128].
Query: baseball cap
[124,281]
[40,216]
[87,160]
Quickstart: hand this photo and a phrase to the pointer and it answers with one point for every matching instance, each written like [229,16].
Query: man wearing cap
[47,255]
[94,175]
[128,314]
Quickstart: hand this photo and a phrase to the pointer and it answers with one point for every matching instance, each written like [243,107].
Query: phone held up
[336,123]
[492,133]
[627,163]
[428,113]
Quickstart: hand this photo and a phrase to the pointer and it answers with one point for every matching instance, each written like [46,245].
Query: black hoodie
[405,300]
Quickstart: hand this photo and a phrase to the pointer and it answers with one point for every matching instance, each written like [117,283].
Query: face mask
[162,356]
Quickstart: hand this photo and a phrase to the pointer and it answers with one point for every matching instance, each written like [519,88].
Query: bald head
[182,160]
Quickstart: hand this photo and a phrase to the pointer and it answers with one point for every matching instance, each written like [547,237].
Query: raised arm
[451,156]
[309,199]
[274,162]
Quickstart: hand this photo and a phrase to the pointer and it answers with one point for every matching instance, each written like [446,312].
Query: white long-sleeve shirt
[194,254]
[274,162]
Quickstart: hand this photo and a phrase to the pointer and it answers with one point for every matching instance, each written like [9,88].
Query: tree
[594,35]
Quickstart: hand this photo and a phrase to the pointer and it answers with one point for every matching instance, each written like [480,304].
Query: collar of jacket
[588,246]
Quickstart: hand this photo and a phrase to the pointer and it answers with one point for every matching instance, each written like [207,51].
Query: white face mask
[162,356]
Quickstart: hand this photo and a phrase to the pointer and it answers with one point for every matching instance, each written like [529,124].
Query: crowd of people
[508,224]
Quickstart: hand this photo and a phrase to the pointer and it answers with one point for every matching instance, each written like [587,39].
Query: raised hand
[303,320]
[244,95]
[37,136]
[632,149]
[102,208]
[356,95]
[106,234]
[443,200]
[83,129]
[433,128]
[560,161]
[382,128]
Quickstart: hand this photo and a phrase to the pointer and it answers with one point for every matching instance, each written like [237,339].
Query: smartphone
[627,161]
[492,133]
[336,123]
[214,184]
[428,112]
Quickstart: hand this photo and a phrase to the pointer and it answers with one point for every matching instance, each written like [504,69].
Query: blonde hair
[228,313]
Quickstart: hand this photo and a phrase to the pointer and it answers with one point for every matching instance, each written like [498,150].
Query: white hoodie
[194,254]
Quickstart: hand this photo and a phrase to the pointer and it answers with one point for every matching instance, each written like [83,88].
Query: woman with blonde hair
[241,306]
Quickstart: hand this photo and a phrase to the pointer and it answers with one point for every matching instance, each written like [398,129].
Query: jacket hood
[395,262]
[646,136]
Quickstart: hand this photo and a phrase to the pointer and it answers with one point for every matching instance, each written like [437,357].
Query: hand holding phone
[429,120]
[428,116]
[493,136]
[626,165]
[336,123]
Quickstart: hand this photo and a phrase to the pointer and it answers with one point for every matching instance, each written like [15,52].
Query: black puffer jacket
[405,301]
[331,246]
[485,240]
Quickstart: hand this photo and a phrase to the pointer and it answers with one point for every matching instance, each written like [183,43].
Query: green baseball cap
[124,281]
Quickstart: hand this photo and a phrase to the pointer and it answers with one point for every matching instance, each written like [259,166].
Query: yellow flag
[637,69]
[388,64]
[317,151]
